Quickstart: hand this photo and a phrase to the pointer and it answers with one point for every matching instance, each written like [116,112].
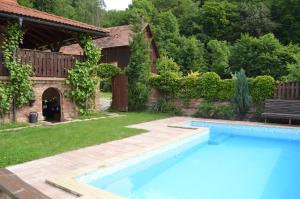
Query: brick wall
[68,107]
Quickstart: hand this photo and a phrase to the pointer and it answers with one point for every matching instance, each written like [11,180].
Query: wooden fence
[290,91]
[44,64]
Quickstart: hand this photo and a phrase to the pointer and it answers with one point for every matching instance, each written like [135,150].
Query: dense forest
[207,35]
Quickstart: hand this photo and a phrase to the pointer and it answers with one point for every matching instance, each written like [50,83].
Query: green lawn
[4,126]
[107,95]
[33,143]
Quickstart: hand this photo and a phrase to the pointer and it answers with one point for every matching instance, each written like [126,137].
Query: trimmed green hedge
[211,87]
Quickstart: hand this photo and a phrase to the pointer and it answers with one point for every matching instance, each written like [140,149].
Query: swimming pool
[236,162]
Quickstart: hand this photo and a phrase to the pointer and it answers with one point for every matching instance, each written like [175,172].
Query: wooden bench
[12,187]
[282,109]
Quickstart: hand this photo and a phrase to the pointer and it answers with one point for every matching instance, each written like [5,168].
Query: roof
[118,36]
[10,7]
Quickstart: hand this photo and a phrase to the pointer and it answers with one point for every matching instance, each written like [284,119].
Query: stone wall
[68,108]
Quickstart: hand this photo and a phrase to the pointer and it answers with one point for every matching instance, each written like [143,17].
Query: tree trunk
[14,108]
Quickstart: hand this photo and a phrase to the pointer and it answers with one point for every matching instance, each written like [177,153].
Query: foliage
[190,55]
[218,20]
[226,88]
[90,11]
[210,110]
[4,101]
[107,71]
[167,65]
[190,86]
[141,9]
[218,55]
[262,88]
[166,33]
[82,78]
[19,87]
[261,56]
[294,70]
[241,98]
[138,71]
[106,85]
[209,85]
[169,107]
[167,82]
[255,18]
[115,18]
[287,14]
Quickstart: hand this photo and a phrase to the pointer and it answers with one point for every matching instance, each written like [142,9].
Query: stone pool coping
[68,183]
[231,122]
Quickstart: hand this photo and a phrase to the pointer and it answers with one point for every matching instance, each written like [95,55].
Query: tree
[287,14]
[190,55]
[115,18]
[138,71]
[218,54]
[263,55]
[166,32]
[294,70]
[255,19]
[142,9]
[219,20]
[241,98]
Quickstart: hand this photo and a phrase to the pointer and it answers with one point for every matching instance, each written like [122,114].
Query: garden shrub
[209,110]
[169,107]
[226,89]
[262,88]
[107,71]
[106,85]
[209,85]
[189,86]
[241,97]
[168,84]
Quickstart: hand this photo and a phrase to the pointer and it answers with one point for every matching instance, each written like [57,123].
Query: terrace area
[44,64]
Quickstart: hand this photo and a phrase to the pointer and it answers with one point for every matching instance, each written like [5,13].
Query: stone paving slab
[36,172]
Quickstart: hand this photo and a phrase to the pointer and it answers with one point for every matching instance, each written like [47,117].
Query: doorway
[51,104]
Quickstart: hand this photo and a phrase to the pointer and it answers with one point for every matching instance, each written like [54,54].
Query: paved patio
[36,172]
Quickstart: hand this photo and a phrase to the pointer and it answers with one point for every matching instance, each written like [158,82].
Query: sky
[117,4]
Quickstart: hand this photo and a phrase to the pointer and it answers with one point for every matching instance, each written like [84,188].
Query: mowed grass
[4,126]
[106,95]
[33,143]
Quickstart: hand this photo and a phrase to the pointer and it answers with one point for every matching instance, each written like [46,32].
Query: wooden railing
[290,91]
[44,64]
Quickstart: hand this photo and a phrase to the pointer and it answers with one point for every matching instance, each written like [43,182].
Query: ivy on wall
[19,88]
[83,78]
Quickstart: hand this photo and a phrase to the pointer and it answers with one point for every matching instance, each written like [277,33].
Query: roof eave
[58,25]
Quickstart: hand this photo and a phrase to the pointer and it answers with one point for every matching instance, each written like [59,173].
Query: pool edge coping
[68,183]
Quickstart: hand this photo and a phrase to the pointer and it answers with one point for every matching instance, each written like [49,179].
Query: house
[45,34]
[116,50]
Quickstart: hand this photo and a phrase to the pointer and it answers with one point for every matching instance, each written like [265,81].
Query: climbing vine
[19,87]
[82,78]
[4,102]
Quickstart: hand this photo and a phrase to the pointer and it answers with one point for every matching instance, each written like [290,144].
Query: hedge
[212,88]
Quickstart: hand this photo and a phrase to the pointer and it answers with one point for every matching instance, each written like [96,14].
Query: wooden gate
[120,93]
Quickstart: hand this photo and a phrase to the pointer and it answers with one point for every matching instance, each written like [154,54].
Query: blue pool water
[237,162]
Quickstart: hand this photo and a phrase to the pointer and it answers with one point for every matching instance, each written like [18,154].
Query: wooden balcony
[44,64]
